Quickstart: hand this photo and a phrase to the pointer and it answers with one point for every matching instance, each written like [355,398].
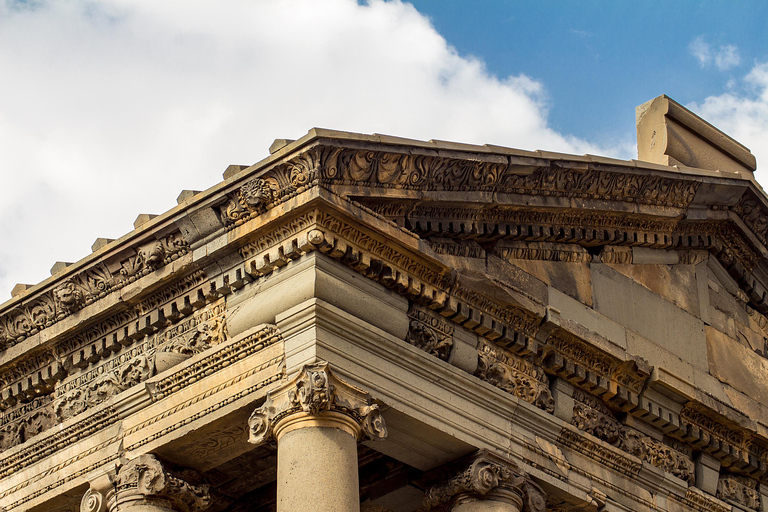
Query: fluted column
[487,483]
[317,421]
[144,485]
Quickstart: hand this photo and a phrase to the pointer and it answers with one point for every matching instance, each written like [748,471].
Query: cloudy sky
[109,108]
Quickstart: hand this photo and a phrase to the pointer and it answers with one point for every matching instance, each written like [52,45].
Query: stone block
[670,134]
[649,256]
[675,283]
[142,219]
[59,266]
[707,472]
[573,279]
[279,144]
[650,315]
[19,289]
[101,242]
[734,364]
[186,194]
[233,169]
[575,311]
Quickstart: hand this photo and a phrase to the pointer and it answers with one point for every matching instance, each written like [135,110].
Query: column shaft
[317,470]
[486,506]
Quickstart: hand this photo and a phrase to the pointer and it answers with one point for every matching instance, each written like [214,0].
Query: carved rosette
[487,477]
[145,481]
[316,393]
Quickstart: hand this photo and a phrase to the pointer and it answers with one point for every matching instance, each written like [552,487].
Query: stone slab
[648,314]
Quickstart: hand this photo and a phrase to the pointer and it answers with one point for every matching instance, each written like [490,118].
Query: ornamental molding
[594,418]
[316,392]
[430,332]
[486,477]
[615,381]
[24,318]
[146,481]
[514,375]
[740,490]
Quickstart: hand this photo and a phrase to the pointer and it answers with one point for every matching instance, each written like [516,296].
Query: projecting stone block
[646,313]
[19,289]
[101,242]
[142,219]
[59,266]
[670,134]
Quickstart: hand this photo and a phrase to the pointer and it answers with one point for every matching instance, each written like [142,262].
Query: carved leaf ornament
[315,391]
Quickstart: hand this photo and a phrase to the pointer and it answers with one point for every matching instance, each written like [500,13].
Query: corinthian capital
[316,394]
[144,481]
[486,477]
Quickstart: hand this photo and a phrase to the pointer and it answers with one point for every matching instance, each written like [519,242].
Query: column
[145,485]
[487,483]
[317,420]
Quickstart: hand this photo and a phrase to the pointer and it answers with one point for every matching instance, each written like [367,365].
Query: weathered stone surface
[597,328]
[656,319]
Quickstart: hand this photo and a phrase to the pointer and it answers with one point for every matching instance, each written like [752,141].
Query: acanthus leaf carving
[486,476]
[147,478]
[314,391]
[514,375]
[429,332]
[740,490]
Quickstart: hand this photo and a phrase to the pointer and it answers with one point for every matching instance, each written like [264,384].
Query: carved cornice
[617,382]
[316,392]
[701,502]
[56,302]
[486,477]
[146,481]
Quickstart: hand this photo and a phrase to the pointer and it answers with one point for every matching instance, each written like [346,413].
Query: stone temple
[365,322]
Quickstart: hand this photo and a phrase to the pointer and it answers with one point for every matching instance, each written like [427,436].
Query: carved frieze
[429,332]
[314,391]
[750,210]
[593,417]
[130,366]
[514,375]
[543,251]
[740,490]
[45,308]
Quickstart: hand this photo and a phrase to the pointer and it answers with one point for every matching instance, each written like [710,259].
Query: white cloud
[743,113]
[109,108]
[724,58]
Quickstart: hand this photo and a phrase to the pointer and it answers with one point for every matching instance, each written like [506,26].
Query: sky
[109,108]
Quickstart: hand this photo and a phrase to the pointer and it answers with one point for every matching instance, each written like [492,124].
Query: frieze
[453,248]
[739,490]
[750,211]
[700,501]
[429,332]
[493,173]
[48,307]
[611,458]
[616,382]
[593,417]
[130,366]
[514,375]
[26,421]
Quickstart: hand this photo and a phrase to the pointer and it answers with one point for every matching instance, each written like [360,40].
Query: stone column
[144,485]
[317,421]
[488,483]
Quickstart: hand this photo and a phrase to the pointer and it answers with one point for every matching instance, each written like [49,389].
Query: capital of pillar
[145,485]
[486,482]
[316,398]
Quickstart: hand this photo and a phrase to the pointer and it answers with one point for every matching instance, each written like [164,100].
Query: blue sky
[109,108]
[598,59]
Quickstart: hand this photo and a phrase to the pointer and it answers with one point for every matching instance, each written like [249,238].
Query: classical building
[369,322]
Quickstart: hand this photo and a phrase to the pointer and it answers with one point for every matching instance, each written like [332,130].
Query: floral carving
[486,477]
[430,333]
[751,212]
[147,477]
[740,490]
[315,391]
[514,375]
